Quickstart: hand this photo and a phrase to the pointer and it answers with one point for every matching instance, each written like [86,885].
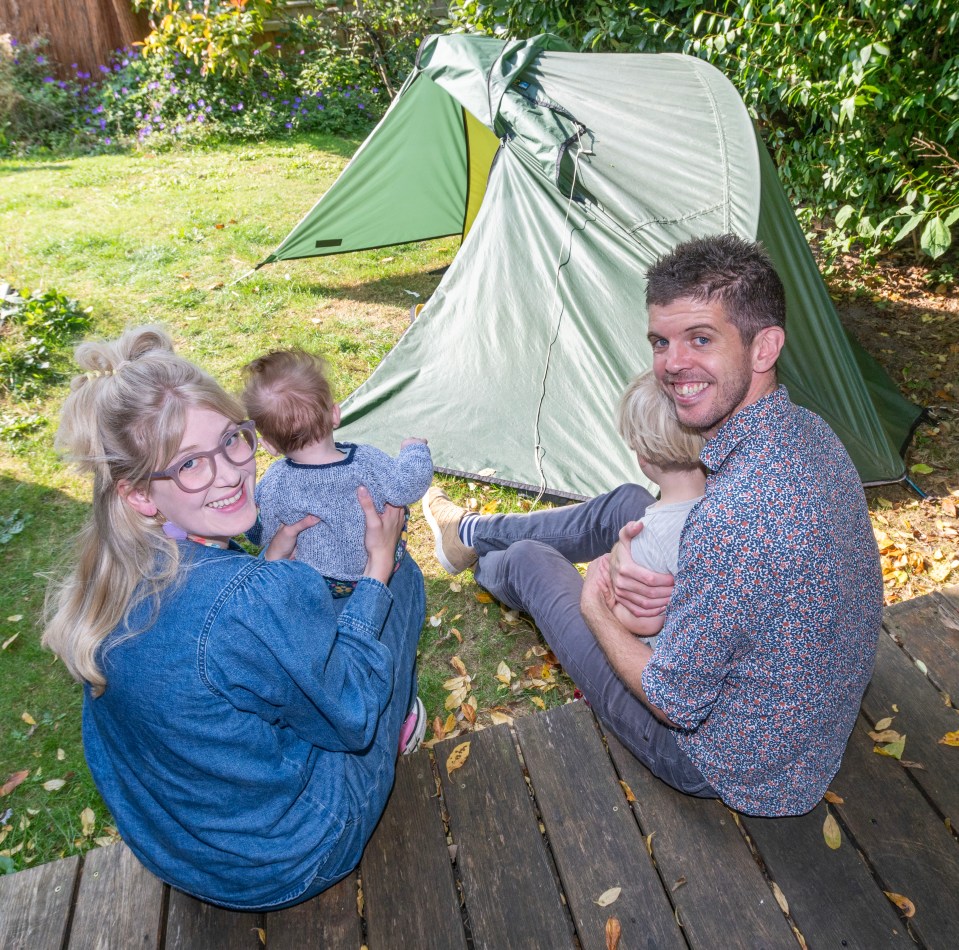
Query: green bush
[856,101]
[35,329]
[36,108]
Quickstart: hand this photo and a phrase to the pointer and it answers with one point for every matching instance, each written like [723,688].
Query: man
[770,634]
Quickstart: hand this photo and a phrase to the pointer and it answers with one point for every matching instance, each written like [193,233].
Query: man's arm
[627,655]
[641,591]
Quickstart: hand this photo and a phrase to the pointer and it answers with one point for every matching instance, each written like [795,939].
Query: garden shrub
[856,101]
[35,106]
[35,330]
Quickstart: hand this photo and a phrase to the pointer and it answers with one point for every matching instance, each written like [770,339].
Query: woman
[241,725]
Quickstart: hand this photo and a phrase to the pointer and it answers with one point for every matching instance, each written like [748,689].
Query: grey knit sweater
[290,491]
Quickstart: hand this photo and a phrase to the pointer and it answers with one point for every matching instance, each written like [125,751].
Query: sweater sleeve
[275,648]
[402,480]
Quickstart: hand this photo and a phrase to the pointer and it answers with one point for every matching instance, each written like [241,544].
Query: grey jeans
[527,561]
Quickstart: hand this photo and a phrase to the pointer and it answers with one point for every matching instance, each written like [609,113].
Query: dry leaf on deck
[886,735]
[780,898]
[833,798]
[500,718]
[613,932]
[884,724]
[950,738]
[608,897]
[903,903]
[457,758]
[831,832]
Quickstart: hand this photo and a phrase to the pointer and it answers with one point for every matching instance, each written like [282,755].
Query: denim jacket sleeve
[273,646]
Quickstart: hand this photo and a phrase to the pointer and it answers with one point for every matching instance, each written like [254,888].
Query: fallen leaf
[457,758]
[455,586]
[887,735]
[87,822]
[831,832]
[780,898]
[13,781]
[457,634]
[483,597]
[61,755]
[490,507]
[538,702]
[893,749]
[630,797]
[500,718]
[28,719]
[950,738]
[677,884]
[503,673]
[486,473]
[469,713]
[613,932]
[903,903]
[15,618]
[649,843]
[459,666]
[884,724]
[220,227]
[833,798]
[260,932]
[922,667]
[54,785]
[608,897]
[8,641]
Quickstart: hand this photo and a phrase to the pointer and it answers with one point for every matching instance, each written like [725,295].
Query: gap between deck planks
[540,827]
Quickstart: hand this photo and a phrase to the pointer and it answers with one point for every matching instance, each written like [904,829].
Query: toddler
[288,396]
[668,454]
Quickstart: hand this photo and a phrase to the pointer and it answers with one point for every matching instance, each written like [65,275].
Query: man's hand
[598,584]
[644,593]
[283,545]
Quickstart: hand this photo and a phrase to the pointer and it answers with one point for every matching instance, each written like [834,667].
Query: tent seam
[723,143]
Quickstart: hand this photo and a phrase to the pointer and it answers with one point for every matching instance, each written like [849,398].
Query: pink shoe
[413,730]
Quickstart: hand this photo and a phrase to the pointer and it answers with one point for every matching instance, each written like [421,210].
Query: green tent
[567,174]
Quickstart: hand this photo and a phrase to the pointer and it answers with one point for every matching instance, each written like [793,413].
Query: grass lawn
[161,238]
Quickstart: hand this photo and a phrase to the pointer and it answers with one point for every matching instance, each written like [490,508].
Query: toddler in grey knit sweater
[288,396]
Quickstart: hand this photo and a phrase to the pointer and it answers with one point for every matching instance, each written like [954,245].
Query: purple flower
[124,90]
[200,103]
[346,95]
[139,114]
[360,105]
[40,61]
[289,125]
[375,90]
[107,142]
[153,85]
[104,69]
[48,79]
[103,123]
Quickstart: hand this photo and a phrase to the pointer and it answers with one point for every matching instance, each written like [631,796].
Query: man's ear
[335,415]
[137,499]
[766,347]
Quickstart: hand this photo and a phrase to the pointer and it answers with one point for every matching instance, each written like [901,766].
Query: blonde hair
[288,396]
[124,419]
[647,421]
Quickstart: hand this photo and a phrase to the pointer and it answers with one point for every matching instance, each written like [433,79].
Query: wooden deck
[515,848]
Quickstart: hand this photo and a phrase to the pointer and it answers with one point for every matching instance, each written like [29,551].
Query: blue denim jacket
[246,741]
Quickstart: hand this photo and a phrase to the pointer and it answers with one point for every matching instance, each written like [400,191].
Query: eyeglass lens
[199,471]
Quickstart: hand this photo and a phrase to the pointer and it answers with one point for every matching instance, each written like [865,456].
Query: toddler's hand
[413,440]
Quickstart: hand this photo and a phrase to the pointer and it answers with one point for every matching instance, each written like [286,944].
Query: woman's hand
[283,545]
[382,535]
[643,592]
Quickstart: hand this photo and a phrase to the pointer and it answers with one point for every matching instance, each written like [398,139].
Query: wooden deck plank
[120,904]
[330,920]
[408,884]
[928,628]
[511,893]
[922,717]
[720,895]
[904,841]
[595,841]
[194,925]
[35,905]
[832,897]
